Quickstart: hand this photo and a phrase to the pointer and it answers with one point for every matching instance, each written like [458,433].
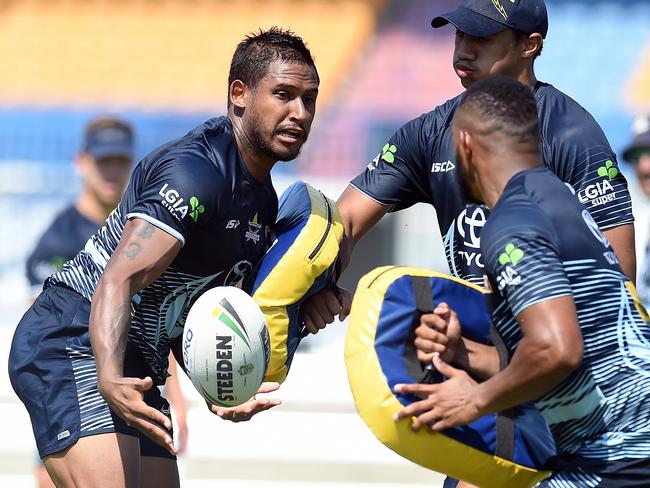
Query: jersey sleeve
[579,153]
[177,195]
[397,176]
[524,264]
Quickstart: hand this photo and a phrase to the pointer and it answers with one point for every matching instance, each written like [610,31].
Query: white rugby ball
[226,346]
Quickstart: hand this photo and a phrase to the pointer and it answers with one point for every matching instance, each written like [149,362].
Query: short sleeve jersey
[540,243]
[61,241]
[198,190]
[418,164]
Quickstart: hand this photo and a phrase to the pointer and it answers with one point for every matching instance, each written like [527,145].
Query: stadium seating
[171,56]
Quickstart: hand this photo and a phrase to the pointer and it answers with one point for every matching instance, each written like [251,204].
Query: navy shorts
[576,472]
[52,370]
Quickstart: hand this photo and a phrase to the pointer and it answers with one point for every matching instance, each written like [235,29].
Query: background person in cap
[637,153]
[104,165]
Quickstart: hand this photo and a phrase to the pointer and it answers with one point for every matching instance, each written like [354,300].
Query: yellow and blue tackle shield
[495,451]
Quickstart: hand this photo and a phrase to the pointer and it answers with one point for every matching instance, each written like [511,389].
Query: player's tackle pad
[494,451]
[300,262]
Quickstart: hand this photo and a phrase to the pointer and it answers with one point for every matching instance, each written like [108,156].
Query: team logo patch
[601,192]
[254,228]
[511,255]
[388,153]
[609,170]
[197,208]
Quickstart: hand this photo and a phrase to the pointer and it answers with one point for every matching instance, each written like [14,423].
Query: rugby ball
[226,346]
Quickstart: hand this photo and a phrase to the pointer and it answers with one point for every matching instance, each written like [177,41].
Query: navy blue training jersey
[418,164]
[540,243]
[198,190]
[62,240]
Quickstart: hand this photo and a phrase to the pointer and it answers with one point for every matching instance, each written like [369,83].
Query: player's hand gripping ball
[226,346]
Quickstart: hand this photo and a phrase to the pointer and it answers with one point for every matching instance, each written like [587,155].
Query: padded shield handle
[423,294]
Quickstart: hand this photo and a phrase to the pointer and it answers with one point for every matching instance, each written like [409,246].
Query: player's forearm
[110,319]
[359,214]
[621,239]
[533,371]
[478,360]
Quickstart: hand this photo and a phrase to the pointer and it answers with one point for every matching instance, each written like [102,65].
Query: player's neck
[527,77]
[500,169]
[258,164]
[91,208]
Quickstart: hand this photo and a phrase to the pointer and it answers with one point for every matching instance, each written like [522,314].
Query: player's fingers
[427,357]
[268,387]
[143,411]
[445,369]
[424,334]
[418,389]
[141,384]
[332,303]
[427,417]
[323,313]
[345,300]
[154,431]
[440,425]
[308,322]
[442,309]
[433,321]
[412,410]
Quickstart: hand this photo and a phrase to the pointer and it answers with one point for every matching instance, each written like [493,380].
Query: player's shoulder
[522,206]
[202,143]
[562,118]
[434,121]
[441,116]
[203,156]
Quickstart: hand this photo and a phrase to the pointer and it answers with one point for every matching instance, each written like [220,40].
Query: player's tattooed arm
[140,257]
[146,231]
[133,248]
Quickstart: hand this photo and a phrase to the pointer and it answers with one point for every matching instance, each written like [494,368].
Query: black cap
[108,136]
[640,141]
[484,18]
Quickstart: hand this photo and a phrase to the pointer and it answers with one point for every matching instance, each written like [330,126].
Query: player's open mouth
[290,136]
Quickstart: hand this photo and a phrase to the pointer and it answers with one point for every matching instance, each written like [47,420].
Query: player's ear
[465,145]
[238,94]
[531,45]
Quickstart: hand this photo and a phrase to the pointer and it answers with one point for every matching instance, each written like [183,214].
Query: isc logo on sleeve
[445,167]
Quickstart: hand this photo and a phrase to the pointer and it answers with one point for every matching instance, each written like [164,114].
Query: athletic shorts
[52,370]
[575,472]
